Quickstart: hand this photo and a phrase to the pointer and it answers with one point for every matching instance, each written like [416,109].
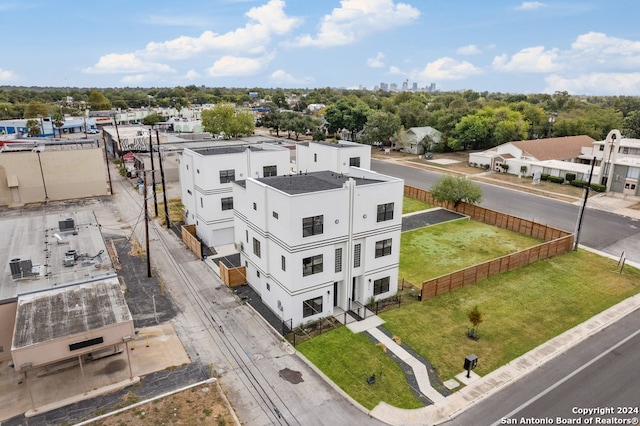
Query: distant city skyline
[582,47]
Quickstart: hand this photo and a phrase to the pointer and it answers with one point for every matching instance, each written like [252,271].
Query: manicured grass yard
[441,249]
[349,359]
[521,310]
[410,205]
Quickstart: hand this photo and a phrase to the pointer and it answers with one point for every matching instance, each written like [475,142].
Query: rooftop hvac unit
[67,226]
[20,268]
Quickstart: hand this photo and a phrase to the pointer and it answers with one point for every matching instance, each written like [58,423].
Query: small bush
[578,183]
[544,176]
[598,188]
[556,179]
[570,177]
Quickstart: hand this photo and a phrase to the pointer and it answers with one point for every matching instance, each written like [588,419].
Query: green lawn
[411,205]
[440,249]
[521,310]
[349,359]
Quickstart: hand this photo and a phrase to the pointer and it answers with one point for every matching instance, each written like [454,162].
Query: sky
[581,47]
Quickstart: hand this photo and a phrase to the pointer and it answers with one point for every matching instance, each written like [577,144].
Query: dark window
[227,203]
[227,176]
[357,251]
[198,171]
[86,343]
[258,273]
[189,191]
[268,287]
[339,259]
[255,206]
[311,265]
[383,248]
[283,263]
[315,158]
[312,307]
[385,212]
[270,171]
[312,225]
[201,202]
[275,214]
[601,148]
[381,285]
[256,247]
[354,161]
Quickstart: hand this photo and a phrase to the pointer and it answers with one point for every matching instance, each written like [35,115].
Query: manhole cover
[291,376]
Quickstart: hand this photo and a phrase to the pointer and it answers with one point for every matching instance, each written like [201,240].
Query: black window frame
[312,306]
[312,265]
[256,247]
[385,212]
[270,171]
[381,285]
[354,161]
[310,226]
[228,175]
[226,203]
[383,247]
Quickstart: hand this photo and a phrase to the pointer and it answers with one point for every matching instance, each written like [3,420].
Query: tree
[33,127]
[381,126]
[475,317]
[98,102]
[450,189]
[348,113]
[152,119]
[631,126]
[58,121]
[224,119]
[35,109]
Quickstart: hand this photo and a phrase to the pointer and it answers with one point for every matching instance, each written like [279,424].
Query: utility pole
[153,176]
[146,223]
[584,205]
[164,188]
[106,158]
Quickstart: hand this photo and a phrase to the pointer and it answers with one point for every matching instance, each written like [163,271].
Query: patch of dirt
[199,405]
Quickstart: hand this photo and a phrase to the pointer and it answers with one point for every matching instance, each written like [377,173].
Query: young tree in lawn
[453,189]
[475,317]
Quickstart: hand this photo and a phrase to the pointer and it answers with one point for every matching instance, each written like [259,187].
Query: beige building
[44,172]
[46,254]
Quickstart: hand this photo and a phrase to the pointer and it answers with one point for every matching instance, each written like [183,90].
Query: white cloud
[596,83]
[531,60]
[284,78]
[192,75]
[393,70]
[447,69]
[530,5]
[376,62]
[468,50]
[355,19]
[229,66]
[134,79]
[605,51]
[6,75]
[125,63]
[251,39]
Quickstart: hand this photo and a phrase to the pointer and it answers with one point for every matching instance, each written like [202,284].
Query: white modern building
[337,157]
[315,241]
[206,175]
[619,160]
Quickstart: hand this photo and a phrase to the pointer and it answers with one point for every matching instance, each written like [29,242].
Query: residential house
[337,157]
[554,156]
[314,244]
[206,176]
[416,139]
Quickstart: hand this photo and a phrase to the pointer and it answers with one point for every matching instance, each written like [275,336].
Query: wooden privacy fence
[232,277]
[556,242]
[191,240]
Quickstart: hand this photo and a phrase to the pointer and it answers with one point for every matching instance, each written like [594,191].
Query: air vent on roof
[67,226]
[21,268]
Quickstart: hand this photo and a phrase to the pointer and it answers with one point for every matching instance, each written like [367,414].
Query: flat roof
[313,182]
[34,254]
[49,315]
[234,149]
[340,144]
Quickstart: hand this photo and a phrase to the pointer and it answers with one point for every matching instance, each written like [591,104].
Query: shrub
[523,170]
[598,188]
[556,179]
[544,176]
[570,176]
[578,183]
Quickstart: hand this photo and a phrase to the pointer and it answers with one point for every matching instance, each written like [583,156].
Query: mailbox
[470,362]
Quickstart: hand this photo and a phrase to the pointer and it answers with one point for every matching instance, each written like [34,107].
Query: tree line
[467,120]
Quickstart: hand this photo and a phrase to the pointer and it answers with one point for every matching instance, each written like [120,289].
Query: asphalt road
[595,380]
[601,230]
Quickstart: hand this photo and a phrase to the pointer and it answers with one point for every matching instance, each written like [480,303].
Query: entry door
[335,293]
[353,289]
[629,187]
